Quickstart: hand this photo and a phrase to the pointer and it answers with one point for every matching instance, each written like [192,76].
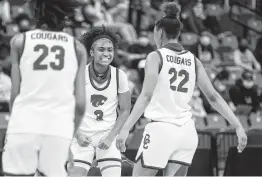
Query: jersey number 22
[180,87]
[60,55]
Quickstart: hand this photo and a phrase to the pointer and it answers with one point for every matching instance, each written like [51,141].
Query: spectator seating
[243,120]
[215,121]
[255,121]
[15,2]
[214,41]
[230,41]
[235,72]
[224,140]
[16,10]
[213,144]
[255,24]
[189,39]
[204,139]
[200,123]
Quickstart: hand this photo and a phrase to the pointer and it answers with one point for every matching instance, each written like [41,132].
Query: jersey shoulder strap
[117,88]
[117,79]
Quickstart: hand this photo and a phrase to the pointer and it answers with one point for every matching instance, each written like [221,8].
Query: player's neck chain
[99,77]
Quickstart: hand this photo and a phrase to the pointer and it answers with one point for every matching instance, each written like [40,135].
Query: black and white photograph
[118,88]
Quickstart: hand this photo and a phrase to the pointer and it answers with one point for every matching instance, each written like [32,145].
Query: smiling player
[107,89]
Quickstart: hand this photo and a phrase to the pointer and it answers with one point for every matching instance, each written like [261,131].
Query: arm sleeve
[123,82]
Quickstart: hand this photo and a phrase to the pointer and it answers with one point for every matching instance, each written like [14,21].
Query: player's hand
[242,139]
[105,143]
[83,140]
[94,164]
[70,161]
[121,140]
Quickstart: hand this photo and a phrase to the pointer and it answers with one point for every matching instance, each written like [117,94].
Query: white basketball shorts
[83,156]
[25,154]
[164,143]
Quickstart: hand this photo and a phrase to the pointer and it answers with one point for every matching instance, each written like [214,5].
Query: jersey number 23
[55,65]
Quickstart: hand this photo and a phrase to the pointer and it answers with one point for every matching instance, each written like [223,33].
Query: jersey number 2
[180,87]
[60,54]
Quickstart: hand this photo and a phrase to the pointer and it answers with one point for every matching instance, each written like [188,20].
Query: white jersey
[46,102]
[102,101]
[174,88]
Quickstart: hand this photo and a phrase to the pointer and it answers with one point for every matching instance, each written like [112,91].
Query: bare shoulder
[80,51]
[152,55]
[17,41]
[198,63]
[17,45]
[153,58]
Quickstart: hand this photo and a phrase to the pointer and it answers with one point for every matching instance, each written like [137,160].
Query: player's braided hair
[52,12]
[96,33]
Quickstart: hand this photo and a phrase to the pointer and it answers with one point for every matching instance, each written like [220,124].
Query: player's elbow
[125,108]
[80,107]
[213,97]
[147,96]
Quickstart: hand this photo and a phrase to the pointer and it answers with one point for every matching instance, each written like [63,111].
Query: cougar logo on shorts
[146,141]
[98,100]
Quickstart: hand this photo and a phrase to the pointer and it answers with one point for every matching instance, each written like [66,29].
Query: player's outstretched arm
[17,44]
[80,97]
[151,75]
[218,103]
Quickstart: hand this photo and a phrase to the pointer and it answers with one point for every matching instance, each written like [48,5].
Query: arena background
[214,30]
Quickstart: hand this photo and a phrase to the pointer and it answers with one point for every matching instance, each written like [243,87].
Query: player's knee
[110,168]
[78,171]
[182,171]
[140,170]
[52,171]
[78,168]
[173,169]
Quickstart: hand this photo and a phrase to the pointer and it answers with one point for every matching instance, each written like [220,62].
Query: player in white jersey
[171,74]
[107,90]
[47,104]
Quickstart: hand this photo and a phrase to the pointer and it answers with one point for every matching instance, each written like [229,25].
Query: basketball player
[171,74]
[107,89]
[47,97]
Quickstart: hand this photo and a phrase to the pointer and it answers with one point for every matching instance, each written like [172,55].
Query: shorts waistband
[154,121]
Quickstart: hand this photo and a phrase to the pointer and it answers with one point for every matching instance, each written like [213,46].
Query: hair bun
[171,9]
